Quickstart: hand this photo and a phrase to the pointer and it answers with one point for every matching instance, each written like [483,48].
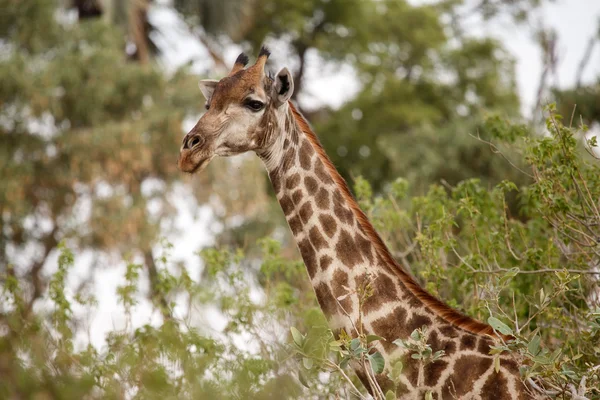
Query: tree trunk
[139,29]
[87,9]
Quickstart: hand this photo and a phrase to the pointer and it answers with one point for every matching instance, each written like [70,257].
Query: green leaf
[354,344]
[297,336]
[302,379]
[344,362]
[415,335]
[499,326]
[509,275]
[497,364]
[534,346]
[390,395]
[377,362]
[372,338]
[396,371]
[429,395]
[335,345]
[307,362]
[542,360]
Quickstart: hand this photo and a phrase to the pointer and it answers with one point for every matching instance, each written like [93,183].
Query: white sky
[575,21]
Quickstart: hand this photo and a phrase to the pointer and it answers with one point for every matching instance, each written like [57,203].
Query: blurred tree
[87,140]
[418,76]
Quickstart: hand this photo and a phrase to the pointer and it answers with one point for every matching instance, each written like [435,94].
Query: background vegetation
[496,214]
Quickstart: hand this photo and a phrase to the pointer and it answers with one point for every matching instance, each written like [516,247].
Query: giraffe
[251,111]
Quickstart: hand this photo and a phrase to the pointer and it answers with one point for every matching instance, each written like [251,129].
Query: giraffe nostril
[193,142]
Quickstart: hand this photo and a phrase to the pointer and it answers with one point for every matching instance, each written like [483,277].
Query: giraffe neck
[345,258]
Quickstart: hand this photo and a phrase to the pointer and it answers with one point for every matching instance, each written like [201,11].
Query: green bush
[534,275]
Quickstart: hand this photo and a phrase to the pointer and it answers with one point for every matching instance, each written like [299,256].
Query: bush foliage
[534,275]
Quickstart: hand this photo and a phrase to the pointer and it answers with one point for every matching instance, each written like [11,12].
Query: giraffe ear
[207,87]
[283,87]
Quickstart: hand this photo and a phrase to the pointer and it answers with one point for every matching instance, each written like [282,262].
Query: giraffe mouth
[192,162]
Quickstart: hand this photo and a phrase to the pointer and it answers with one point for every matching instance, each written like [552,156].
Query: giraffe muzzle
[193,155]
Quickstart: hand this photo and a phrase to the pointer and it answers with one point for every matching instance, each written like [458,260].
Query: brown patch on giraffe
[417,321]
[292,181]
[295,224]
[468,341]
[274,176]
[484,345]
[320,171]
[316,238]
[411,371]
[448,391]
[434,341]
[449,331]
[288,159]
[326,299]
[346,250]
[322,199]
[511,366]
[437,343]
[286,142]
[328,223]
[324,262]
[448,346]
[309,256]
[297,196]
[391,327]
[496,387]
[413,300]
[344,214]
[286,205]
[466,371]
[365,246]
[433,371]
[340,285]
[386,288]
[305,212]
[311,184]
[306,152]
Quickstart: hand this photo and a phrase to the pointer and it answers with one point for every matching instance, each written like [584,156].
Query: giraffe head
[243,110]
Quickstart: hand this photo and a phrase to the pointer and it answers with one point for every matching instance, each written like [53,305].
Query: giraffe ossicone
[251,111]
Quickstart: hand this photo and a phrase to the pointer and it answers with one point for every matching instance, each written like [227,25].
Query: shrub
[533,275]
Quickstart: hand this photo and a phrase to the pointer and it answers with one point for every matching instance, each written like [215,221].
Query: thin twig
[495,150]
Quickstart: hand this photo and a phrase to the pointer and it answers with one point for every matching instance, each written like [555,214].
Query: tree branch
[155,293]
[39,285]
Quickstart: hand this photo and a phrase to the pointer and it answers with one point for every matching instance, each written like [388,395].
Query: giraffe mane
[437,306]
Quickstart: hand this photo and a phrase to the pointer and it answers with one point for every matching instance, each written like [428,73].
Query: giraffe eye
[207,106]
[255,105]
